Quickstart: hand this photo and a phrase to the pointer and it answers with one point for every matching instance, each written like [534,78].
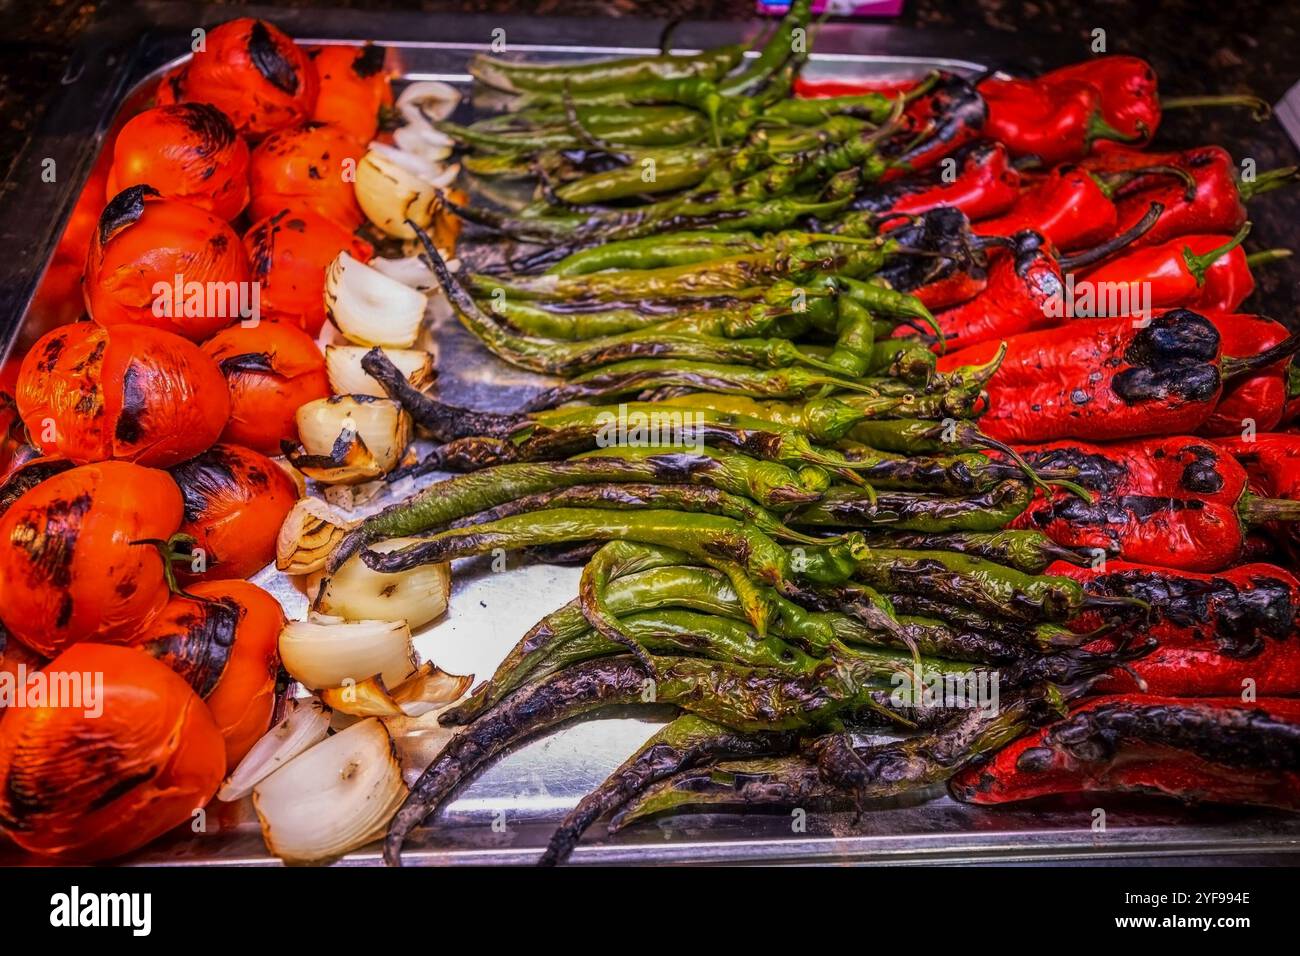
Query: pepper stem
[170,553]
[1199,265]
[1232,367]
[1113,182]
[1260,110]
[1105,249]
[1098,128]
[1255,510]
[1267,182]
[1267,257]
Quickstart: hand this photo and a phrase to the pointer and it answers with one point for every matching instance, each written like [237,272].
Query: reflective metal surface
[506,813]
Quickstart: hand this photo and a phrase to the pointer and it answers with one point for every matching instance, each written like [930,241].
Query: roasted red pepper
[1195,750]
[1022,279]
[1057,120]
[983,183]
[1212,631]
[1103,378]
[1071,207]
[1255,400]
[935,124]
[819,89]
[1218,205]
[1178,502]
[1272,459]
[1199,271]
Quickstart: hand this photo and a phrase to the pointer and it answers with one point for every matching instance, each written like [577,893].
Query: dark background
[1196,47]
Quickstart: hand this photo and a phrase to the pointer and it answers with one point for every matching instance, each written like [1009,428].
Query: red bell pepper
[1214,750]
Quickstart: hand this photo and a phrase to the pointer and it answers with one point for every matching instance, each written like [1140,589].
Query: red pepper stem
[1255,510]
[1233,367]
[1267,182]
[1098,128]
[1105,249]
[1267,257]
[1199,265]
[1260,110]
[176,548]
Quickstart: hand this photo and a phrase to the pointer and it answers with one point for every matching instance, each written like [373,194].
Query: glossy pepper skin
[1207,272]
[1216,207]
[1022,280]
[1129,97]
[1272,460]
[1101,378]
[983,184]
[1195,750]
[1256,399]
[1070,207]
[1057,120]
[1178,502]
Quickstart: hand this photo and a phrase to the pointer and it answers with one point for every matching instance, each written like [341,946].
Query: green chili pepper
[904,511]
[513,77]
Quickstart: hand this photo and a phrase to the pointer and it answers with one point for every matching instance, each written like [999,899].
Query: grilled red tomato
[271,369]
[308,167]
[17,661]
[89,393]
[355,89]
[168,264]
[76,558]
[253,73]
[235,502]
[225,645]
[188,151]
[93,778]
[288,252]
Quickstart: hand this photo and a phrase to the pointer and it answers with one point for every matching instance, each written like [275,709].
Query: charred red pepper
[1272,460]
[1071,207]
[1212,631]
[1194,750]
[1256,400]
[950,115]
[1178,502]
[983,183]
[1022,280]
[1103,378]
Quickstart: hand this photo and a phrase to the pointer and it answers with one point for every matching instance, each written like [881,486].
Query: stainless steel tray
[506,813]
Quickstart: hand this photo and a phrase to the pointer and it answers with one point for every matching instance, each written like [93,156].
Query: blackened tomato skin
[307,167]
[167,264]
[77,560]
[354,88]
[89,393]
[81,785]
[254,73]
[235,501]
[186,151]
[271,369]
[288,252]
[247,621]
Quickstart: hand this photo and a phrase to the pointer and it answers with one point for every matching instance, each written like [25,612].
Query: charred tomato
[186,151]
[307,167]
[89,393]
[235,501]
[82,784]
[221,636]
[355,88]
[271,369]
[167,264]
[79,555]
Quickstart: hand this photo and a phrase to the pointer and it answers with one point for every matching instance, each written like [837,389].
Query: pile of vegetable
[826,421]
